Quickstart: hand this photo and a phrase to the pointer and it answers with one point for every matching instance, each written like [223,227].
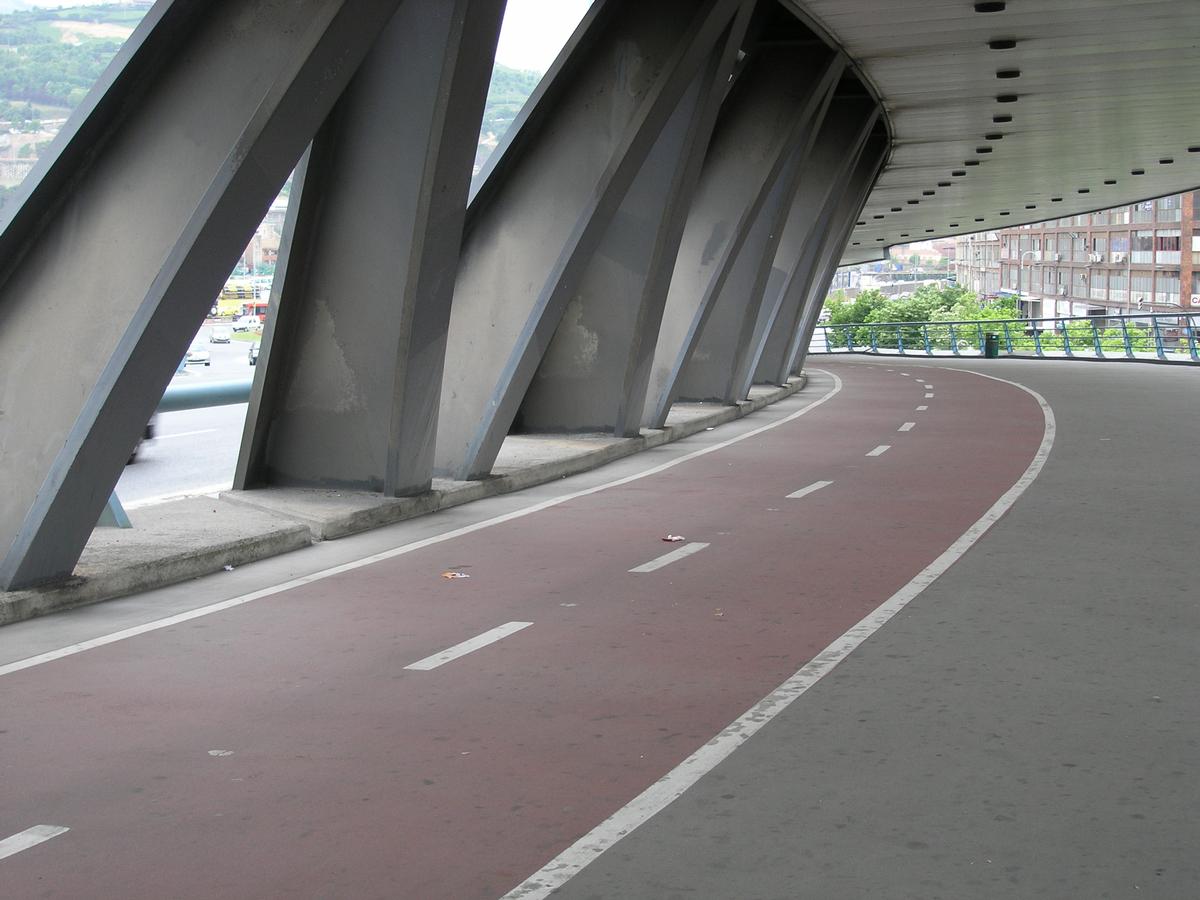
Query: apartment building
[1144,257]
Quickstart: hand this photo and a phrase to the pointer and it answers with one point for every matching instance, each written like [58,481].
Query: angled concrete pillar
[128,232]
[594,373]
[543,211]
[768,117]
[866,172]
[820,199]
[349,378]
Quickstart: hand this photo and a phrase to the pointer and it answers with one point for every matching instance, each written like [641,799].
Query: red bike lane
[281,748]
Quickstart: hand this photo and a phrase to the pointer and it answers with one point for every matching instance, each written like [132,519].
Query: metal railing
[1166,337]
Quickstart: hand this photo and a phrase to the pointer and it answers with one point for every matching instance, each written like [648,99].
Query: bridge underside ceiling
[1106,88]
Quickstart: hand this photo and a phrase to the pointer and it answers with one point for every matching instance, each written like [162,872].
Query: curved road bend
[317,742]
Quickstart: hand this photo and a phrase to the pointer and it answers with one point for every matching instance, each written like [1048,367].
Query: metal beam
[349,377]
[540,217]
[866,173]
[822,193]
[129,232]
[761,125]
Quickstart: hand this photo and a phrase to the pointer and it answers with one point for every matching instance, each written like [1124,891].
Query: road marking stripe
[929,396]
[167,437]
[880,450]
[922,408]
[168,621]
[671,786]
[804,492]
[928,387]
[30,837]
[476,643]
[905,374]
[907,426]
[203,491]
[667,558]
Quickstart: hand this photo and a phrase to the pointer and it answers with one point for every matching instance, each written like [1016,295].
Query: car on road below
[253,354]
[247,323]
[198,356]
[219,335]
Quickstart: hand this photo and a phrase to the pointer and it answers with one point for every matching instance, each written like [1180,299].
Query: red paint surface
[353,777]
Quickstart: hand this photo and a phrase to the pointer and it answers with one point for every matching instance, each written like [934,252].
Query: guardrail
[1165,337]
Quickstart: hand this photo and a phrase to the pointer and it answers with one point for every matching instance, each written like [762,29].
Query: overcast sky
[535,30]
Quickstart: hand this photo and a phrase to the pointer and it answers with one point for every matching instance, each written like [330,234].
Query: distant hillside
[50,58]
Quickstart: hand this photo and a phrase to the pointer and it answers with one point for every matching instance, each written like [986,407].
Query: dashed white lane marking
[928,387]
[922,408]
[667,558]
[804,492]
[929,396]
[222,605]
[905,374]
[167,437]
[907,426]
[880,450]
[30,837]
[672,786]
[458,650]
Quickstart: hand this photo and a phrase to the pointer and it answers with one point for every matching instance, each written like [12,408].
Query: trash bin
[991,345]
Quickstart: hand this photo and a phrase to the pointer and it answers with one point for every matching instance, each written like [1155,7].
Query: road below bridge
[350,722]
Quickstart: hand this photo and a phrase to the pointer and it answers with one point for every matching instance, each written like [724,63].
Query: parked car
[219,335]
[147,435]
[198,356]
[253,355]
[248,323]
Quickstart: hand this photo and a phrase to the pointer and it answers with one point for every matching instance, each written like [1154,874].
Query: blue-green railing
[1169,337]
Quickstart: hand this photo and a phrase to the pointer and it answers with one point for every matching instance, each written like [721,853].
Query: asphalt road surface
[193,451]
[924,637]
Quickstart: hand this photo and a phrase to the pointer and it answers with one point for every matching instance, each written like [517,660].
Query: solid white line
[667,558]
[922,408]
[202,611]
[804,492]
[30,837]
[929,396]
[671,786]
[907,426]
[880,450]
[479,641]
[167,437]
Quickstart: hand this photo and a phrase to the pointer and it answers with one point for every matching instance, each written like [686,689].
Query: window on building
[1118,287]
[1166,247]
[1143,248]
[1142,286]
[1119,242]
[1098,284]
[1167,208]
[1166,287]
[1143,212]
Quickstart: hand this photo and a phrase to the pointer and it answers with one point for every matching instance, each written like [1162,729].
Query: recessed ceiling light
[970,162]
[1005,213]
[958,173]
[1008,73]
[1137,171]
[855,243]
[1195,149]
[953,224]
[1165,161]
[879,239]
[897,209]
[929,231]
[1056,199]
[1110,181]
[1001,44]
[944,184]
[904,235]
[1085,190]
[983,149]
[1007,98]
[1031,206]
[979,220]
[860,223]
[928,193]
[1002,118]
[995,6]
[913,202]
[994,136]
[876,217]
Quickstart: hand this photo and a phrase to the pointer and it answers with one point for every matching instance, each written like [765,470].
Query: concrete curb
[278,520]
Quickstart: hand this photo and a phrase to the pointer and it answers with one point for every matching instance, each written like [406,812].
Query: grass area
[248,336]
